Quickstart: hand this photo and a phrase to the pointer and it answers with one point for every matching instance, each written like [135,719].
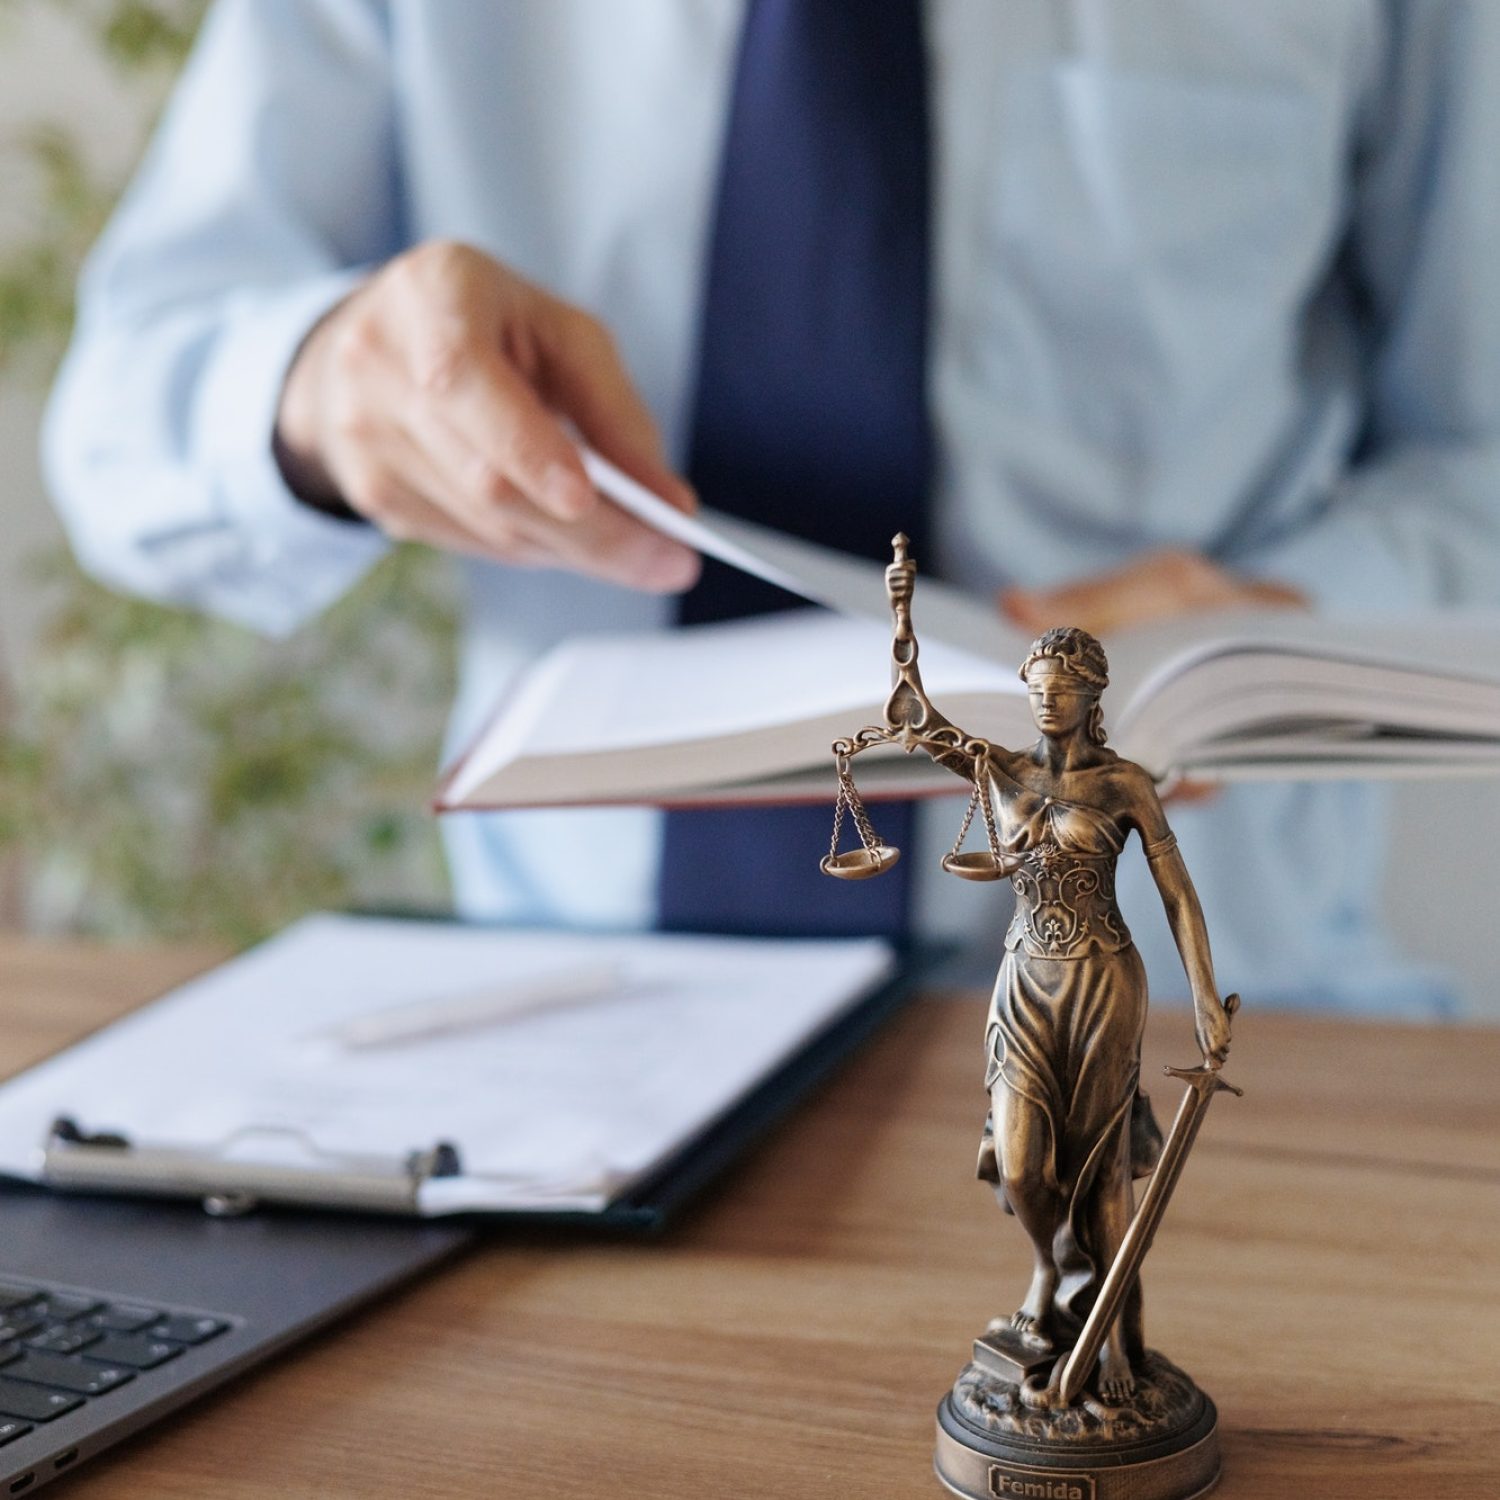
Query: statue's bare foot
[1030,1319]
[1031,1328]
[1116,1379]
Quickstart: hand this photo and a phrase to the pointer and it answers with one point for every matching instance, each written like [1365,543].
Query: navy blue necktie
[810,410]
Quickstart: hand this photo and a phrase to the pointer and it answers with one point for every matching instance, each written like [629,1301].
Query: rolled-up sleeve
[1415,520]
[268,192]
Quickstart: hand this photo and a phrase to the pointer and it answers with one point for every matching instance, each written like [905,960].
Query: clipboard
[76,1159]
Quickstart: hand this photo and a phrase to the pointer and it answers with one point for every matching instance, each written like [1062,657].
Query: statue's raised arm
[912,722]
[909,713]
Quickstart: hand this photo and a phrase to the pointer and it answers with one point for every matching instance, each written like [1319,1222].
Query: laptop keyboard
[62,1347]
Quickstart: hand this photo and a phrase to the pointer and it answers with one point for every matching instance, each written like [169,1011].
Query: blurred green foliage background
[164,774]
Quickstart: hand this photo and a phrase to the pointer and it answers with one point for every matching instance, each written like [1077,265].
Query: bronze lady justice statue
[1069,1129]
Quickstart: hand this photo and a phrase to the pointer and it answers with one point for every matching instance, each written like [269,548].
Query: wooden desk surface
[1330,1272]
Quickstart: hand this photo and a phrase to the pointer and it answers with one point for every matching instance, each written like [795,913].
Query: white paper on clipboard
[561,1108]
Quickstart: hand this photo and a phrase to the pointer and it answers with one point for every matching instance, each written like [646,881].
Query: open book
[745,712]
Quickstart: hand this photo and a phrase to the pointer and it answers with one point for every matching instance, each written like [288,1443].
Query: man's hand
[1156,586]
[429,401]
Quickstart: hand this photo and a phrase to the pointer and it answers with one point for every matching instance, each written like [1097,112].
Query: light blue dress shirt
[1208,274]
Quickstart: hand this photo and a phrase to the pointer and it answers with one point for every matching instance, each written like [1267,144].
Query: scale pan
[981,866]
[860,864]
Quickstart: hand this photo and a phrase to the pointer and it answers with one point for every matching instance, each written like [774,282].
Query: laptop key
[61,1306]
[130,1349]
[20,1321]
[9,1431]
[69,1374]
[64,1338]
[32,1403]
[118,1318]
[9,1350]
[13,1296]
[184,1328]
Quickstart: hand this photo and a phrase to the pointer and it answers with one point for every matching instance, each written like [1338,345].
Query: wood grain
[1329,1271]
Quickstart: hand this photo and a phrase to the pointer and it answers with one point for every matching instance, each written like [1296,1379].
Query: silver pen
[422,1019]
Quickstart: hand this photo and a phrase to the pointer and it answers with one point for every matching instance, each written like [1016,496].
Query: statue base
[994,1442]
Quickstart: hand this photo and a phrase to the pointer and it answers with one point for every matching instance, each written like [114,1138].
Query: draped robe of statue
[1063,1036]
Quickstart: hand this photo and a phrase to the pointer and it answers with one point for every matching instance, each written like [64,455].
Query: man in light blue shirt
[1215,318]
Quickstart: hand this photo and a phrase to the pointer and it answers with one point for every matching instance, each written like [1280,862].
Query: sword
[1203,1083]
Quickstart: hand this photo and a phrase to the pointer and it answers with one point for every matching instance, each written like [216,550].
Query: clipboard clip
[77,1160]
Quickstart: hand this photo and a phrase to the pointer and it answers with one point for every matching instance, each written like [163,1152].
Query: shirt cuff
[294,560]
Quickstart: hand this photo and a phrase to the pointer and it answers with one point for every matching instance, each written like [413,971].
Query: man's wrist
[309,483]
[294,437]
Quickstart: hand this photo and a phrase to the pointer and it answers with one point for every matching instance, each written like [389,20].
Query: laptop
[114,1313]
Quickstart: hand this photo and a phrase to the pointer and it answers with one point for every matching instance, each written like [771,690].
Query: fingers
[1157,586]
[404,515]
[454,319]
[502,452]
[580,373]
[1211,1027]
[1185,792]
[432,416]
[1152,587]
[1213,1052]
[617,548]
[390,481]
[900,583]
[488,486]
[607,543]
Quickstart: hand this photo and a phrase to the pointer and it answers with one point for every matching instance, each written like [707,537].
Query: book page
[603,694]
[1186,682]
[1452,645]
[822,575]
[561,1106]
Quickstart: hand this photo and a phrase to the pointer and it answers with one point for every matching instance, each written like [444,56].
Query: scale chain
[848,797]
[838,819]
[982,787]
[978,798]
[867,835]
[963,828]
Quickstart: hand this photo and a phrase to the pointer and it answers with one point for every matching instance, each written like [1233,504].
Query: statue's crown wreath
[1075,650]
